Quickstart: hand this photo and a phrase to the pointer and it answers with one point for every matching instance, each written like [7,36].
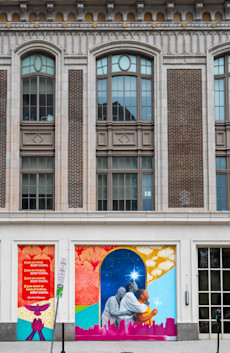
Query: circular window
[38,63]
[124,62]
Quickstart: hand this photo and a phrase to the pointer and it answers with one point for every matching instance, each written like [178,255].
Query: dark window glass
[203,313]
[203,280]
[226,298]
[226,280]
[226,257]
[227,313]
[215,280]
[215,257]
[204,326]
[227,327]
[216,299]
[213,312]
[203,257]
[203,299]
[214,327]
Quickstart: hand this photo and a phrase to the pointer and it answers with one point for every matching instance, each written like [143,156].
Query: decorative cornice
[134,26]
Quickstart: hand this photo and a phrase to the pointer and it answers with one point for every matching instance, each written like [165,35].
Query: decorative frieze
[79,40]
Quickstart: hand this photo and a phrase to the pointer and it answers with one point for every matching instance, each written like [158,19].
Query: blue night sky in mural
[118,268]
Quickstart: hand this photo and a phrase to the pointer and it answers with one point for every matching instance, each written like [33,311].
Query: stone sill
[143,218]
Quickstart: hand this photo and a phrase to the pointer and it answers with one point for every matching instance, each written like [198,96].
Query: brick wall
[75,190]
[185,151]
[3,102]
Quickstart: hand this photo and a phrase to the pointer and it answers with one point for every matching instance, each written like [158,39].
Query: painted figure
[112,308]
[130,303]
[147,316]
[37,324]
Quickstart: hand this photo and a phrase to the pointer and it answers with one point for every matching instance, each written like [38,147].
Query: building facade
[115,143]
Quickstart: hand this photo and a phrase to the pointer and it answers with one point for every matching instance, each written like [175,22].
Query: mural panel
[35,292]
[126,292]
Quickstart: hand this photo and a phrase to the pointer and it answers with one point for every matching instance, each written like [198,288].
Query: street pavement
[117,347]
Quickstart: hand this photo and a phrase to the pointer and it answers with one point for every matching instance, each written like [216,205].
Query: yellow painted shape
[46,316]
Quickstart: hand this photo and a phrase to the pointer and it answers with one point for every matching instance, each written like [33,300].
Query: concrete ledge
[187,332]
[69,332]
[8,331]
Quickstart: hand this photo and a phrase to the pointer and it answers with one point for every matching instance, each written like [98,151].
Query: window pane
[221,162]
[214,326]
[102,66]
[203,313]
[203,299]
[147,192]
[215,257]
[215,280]
[102,99]
[203,257]
[203,280]
[204,326]
[226,257]
[219,66]
[226,298]
[227,327]
[216,299]
[146,66]
[146,162]
[226,280]
[221,189]
[124,63]
[146,99]
[219,100]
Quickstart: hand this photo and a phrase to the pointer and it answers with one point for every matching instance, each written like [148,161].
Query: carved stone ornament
[199,8]
[50,11]
[140,10]
[170,9]
[227,10]
[110,10]
[80,11]
[23,12]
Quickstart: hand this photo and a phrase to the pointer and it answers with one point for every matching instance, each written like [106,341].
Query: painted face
[135,287]
[120,293]
[145,295]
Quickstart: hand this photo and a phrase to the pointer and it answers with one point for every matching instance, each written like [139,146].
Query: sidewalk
[117,347]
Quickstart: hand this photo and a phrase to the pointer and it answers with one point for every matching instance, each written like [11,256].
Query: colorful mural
[106,293]
[35,292]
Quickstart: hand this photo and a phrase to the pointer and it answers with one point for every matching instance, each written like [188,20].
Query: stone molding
[171,43]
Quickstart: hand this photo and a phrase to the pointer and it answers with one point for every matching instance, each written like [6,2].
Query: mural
[126,292]
[35,292]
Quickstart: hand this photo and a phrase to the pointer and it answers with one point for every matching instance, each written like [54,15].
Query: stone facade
[182,41]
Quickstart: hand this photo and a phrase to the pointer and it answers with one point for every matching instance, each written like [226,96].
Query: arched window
[121,80]
[38,71]
[222,117]
[222,80]
[124,123]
